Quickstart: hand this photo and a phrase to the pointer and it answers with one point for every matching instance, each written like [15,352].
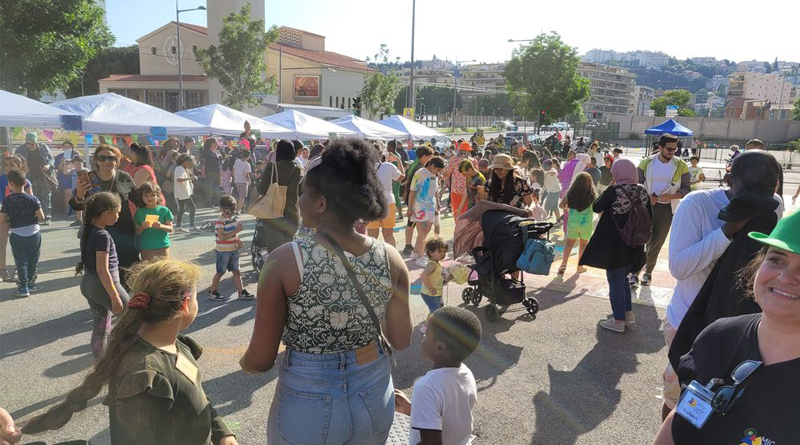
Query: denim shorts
[432,302]
[227,261]
[331,399]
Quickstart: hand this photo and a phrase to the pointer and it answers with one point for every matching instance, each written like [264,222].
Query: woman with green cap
[740,378]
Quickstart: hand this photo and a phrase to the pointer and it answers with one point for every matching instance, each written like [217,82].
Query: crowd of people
[338,298]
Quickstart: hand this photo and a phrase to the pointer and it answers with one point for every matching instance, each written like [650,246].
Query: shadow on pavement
[212,312]
[71,366]
[556,286]
[581,399]
[234,392]
[32,337]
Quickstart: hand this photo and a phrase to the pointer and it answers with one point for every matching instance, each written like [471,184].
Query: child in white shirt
[445,397]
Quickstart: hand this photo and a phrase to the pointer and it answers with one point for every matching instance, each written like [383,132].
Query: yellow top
[437,280]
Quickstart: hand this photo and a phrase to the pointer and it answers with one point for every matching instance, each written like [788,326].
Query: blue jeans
[26,255]
[332,400]
[432,302]
[619,291]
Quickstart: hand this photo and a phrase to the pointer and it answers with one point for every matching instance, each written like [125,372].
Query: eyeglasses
[726,396]
[109,158]
[670,148]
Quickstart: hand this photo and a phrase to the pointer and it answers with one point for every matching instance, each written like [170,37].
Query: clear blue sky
[479,29]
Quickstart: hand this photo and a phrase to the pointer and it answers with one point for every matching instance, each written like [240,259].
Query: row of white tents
[110,113]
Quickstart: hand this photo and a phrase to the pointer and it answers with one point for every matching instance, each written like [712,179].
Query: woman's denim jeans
[619,291]
[330,399]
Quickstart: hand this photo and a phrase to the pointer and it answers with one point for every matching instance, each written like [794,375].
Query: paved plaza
[556,379]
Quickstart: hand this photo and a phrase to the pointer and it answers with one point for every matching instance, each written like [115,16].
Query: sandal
[581,269]
[562,269]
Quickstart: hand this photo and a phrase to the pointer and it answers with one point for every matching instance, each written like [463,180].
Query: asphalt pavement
[557,378]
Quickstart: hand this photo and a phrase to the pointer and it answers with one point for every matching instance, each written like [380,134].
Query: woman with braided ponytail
[155,395]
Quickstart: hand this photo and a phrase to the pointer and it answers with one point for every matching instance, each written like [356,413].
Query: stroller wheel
[531,305]
[492,314]
[467,294]
[477,297]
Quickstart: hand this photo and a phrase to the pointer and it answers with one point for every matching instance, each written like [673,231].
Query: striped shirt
[227,226]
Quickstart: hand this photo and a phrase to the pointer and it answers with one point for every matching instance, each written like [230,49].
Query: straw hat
[502,161]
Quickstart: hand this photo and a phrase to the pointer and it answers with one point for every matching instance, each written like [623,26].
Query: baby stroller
[258,250]
[505,236]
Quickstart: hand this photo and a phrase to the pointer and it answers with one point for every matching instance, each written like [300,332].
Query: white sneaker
[612,325]
[180,230]
[422,262]
[414,256]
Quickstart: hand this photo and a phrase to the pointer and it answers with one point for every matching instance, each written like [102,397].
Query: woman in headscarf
[606,250]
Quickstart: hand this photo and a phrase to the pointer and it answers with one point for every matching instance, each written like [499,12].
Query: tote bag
[272,203]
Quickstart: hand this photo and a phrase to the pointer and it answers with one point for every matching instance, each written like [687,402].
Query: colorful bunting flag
[48,134]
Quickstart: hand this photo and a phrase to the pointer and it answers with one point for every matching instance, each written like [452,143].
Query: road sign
[672,111]
[408,113]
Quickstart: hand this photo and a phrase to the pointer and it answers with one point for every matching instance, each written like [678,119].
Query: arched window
[194,48]
[173,50]
[153,50]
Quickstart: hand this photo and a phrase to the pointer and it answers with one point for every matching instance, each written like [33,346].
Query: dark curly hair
[348,179]
[459,330]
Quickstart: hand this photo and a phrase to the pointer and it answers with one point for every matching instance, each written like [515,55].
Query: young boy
[23,213]
[423,204]
[696,175]
[424,154]
[227,231]
[445,397]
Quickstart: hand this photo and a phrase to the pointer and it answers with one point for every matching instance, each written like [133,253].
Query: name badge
[695,405]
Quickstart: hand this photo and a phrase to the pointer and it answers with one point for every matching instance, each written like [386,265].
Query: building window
[173,102]
[330,101]
[195,99]
[194,48]
[337,101]
[155,98]
[173,50]
[153,50]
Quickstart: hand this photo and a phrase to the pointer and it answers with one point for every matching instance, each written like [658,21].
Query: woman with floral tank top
[335,384]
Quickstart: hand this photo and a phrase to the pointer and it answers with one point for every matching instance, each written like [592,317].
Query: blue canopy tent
[671,127]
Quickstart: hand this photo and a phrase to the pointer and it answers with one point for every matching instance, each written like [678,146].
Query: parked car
[523,138]
[561,126]
[505,126]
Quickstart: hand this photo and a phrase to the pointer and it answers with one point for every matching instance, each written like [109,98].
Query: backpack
[638,229]
[537,257]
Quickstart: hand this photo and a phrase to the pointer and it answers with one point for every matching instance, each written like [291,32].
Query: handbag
[272,204]
[387,348]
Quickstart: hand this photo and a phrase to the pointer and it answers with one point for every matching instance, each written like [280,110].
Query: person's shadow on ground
[580,399]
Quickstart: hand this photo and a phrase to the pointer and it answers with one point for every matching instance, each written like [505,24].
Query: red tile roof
[323,57]
[154,78]
[198,28]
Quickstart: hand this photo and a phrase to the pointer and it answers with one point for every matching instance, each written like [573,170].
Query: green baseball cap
[31,137]
[785,235]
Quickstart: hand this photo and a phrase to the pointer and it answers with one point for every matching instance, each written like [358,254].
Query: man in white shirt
[699,240]
[667,180]
[387,173]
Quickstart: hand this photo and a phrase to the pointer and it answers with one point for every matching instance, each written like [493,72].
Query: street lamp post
[178,46]
[455,91]
[412,101]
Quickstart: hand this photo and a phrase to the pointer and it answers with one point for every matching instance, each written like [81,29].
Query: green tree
[680,98]
[379,93]
[796,110]
[44,44]
[114,60]
[686,112]
[543,76]
[238,63]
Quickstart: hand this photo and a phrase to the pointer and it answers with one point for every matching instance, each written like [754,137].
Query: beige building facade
[306,73]
[611,88]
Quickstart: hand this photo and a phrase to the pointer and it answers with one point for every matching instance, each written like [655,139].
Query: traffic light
[542,116]
[357,106]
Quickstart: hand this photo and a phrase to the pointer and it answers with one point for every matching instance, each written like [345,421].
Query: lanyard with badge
[699,402]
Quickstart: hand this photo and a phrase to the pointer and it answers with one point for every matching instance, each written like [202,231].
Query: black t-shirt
[769,406]
[212,160]
[20,209]
[99,240]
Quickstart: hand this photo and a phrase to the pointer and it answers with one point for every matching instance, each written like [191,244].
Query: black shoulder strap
[360,289]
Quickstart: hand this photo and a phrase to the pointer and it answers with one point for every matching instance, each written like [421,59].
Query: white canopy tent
[305,126]
[19,111]
[411,129]
[224,121]
[111,113]
[368,129]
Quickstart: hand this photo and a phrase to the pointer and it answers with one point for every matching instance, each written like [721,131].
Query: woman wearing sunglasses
[740,378]
[106,178]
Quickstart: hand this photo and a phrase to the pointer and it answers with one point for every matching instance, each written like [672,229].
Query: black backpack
[638,229]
